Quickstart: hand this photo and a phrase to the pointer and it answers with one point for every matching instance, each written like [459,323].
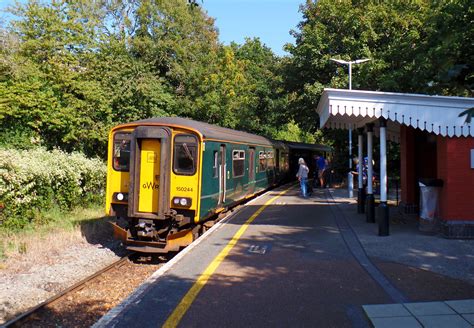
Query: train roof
[210,131]
[307,146]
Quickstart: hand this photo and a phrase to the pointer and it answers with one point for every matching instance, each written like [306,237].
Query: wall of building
[457,195]
[418,159]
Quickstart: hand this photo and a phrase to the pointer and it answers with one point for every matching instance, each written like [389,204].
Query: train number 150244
[188,189]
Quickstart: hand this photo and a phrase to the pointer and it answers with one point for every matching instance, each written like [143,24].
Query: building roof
[339,108]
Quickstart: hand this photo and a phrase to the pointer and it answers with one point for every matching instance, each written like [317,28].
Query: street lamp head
[358,61]
[340,61]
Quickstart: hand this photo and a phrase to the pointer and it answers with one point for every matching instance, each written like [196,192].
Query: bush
[37,180]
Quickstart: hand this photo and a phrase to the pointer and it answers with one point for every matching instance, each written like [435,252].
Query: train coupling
[173,243]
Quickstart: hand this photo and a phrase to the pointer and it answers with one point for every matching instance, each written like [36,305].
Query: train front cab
[152,182]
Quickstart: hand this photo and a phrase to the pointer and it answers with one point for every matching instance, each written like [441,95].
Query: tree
[415,46]
[262,70]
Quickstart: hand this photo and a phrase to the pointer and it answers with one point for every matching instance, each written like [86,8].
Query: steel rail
[24,316]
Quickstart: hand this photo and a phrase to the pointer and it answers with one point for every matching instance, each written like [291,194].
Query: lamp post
[350,179]
[344,62]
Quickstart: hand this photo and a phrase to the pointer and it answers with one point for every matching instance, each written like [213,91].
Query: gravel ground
[29,280]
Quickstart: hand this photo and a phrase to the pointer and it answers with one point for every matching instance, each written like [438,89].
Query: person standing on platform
[321,165]
[302,176]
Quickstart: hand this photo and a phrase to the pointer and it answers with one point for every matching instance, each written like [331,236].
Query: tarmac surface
[299,262]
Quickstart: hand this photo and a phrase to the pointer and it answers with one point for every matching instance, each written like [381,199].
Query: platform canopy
[344,109]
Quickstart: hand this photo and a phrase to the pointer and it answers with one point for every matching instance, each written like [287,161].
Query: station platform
[285,261]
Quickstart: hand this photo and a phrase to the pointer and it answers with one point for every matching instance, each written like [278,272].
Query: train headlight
[182,202]
[120,196]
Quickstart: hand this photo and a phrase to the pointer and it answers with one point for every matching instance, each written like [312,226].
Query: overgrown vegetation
[35,182]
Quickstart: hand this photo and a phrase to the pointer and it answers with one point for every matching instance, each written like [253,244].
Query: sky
[269,20]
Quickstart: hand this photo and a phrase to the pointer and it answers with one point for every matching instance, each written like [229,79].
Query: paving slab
[386,310]
[396,322]
[462,306]
[428,308]
[469,318]
[443,321]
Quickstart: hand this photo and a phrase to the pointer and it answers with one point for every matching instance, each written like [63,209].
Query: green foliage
[414,46]
[74,69]
[70,70]
[37,180]
[292,132]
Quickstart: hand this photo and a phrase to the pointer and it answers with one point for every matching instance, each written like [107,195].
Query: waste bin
[430,190]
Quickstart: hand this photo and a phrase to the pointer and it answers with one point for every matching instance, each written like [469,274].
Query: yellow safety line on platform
[191,295]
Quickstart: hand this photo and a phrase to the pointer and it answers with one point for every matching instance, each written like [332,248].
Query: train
[168,176]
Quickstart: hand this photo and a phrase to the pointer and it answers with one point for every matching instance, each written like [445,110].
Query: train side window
[238,163]
[270,160]
[215,167]
[121,155]
[262,162]
[185,154]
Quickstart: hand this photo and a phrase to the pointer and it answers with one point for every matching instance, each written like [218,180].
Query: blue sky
[270,20]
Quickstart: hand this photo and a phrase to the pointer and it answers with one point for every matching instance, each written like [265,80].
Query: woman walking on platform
[302,176]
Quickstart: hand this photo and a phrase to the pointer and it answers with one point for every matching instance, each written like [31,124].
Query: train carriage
[166,176]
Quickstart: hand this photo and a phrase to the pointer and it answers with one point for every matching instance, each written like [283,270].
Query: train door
[251,184]
[222,174]
[149,175]
[149,170]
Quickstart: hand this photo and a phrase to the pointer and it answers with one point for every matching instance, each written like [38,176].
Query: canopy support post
[383,217]
[370,201]
[360,194]
[350,178]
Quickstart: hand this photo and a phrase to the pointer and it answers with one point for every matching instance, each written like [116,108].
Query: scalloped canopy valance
[342,109]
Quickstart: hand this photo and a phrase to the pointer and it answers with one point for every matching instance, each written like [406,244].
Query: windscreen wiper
[188,153]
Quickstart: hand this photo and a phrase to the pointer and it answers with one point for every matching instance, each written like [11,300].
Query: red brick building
[435,143]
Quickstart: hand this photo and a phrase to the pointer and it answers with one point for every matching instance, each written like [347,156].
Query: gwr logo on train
[150,185]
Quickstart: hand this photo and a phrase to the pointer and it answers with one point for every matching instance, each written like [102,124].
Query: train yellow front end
[153,185]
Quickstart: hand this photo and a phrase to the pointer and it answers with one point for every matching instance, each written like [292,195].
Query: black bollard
[370,208]
[361,201]
[383,219]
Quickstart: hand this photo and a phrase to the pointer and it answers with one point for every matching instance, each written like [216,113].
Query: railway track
[83,303]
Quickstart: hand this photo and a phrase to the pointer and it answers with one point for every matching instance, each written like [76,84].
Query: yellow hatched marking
[188,299]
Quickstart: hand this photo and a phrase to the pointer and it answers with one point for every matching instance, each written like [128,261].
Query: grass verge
[82,225]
